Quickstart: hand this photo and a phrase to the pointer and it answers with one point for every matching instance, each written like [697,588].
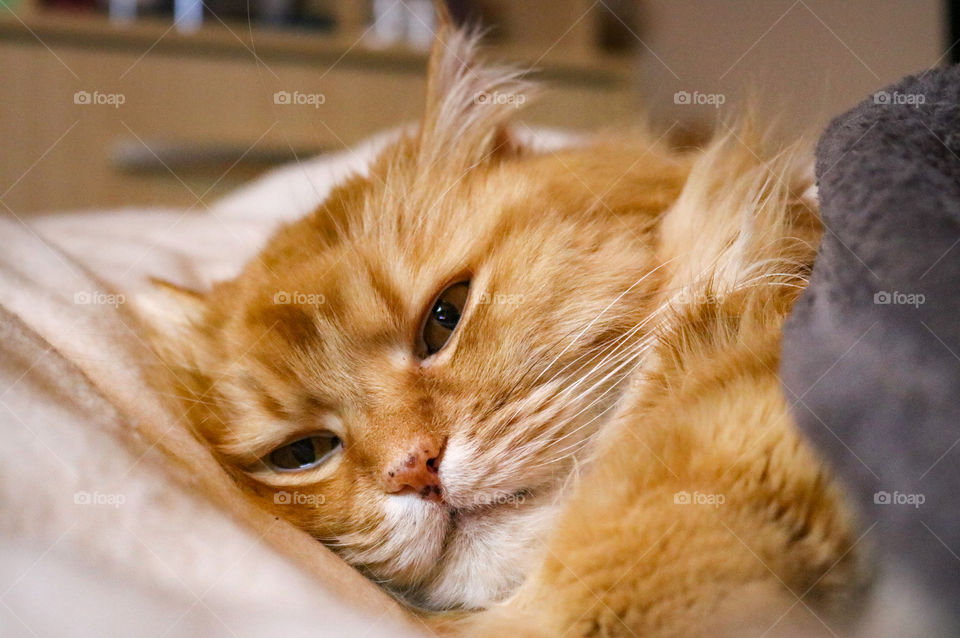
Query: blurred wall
[798,61]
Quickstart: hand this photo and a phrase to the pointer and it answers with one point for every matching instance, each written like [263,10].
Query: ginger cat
[535,389]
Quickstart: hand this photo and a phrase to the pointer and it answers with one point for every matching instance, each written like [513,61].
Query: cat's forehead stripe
[381,282]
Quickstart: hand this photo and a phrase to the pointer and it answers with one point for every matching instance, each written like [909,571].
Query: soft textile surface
[872,350]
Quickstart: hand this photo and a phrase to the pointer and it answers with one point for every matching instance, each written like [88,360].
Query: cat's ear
[468,104]
[171,315]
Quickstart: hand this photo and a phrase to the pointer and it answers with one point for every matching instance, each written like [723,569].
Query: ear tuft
[468,104]
[169,311]
[442,12]
[171,315]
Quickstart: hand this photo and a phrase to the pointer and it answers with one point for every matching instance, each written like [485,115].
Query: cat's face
[409,373]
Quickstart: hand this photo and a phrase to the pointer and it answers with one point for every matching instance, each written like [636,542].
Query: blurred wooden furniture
[200,111]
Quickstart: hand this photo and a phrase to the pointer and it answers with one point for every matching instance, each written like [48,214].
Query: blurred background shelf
[179,115]
[201,109]
[232,38]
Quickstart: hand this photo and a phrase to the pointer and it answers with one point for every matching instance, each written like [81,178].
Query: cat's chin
[484,552]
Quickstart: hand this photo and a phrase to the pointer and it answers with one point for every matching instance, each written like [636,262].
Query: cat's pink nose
[417,472]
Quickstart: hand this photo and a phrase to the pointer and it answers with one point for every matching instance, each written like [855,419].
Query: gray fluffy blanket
[872,350]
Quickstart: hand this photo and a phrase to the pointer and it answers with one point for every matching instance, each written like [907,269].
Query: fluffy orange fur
[618,351]
[702,512]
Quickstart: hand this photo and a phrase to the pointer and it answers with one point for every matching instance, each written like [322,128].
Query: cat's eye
[304,453]
[443,317]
